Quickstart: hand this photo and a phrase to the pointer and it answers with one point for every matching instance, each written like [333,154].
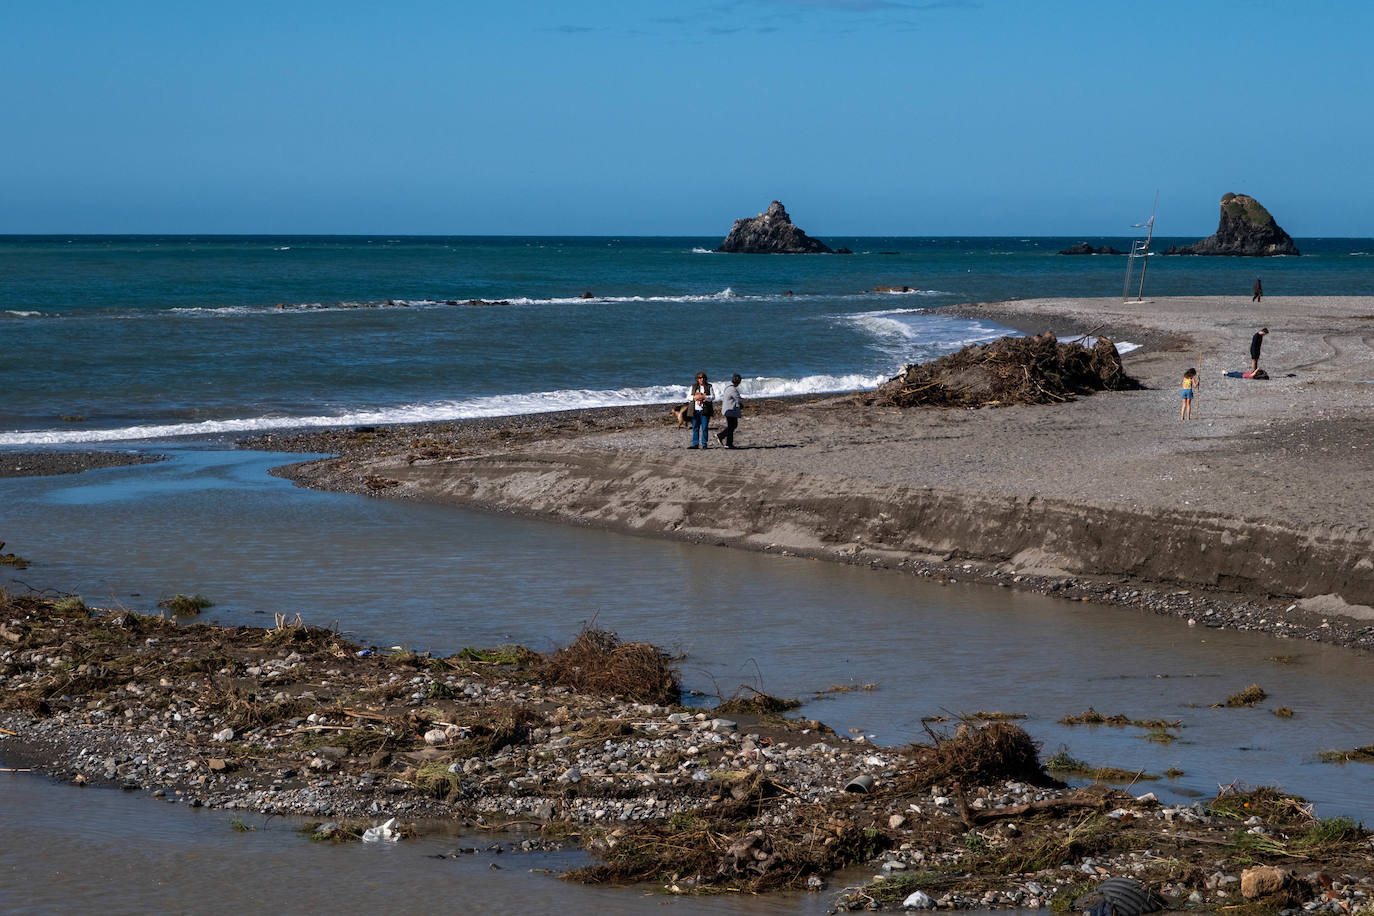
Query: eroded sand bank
[1264,495]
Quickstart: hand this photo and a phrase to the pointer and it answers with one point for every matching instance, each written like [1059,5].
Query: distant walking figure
[1259,292]
[1255,343]
[732,407]
[700,396]
[1190,381]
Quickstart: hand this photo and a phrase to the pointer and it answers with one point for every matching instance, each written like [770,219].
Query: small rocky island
[1246,230]
[1085,248]
[771,232]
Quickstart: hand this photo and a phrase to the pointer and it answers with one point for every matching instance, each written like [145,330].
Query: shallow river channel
[211,521]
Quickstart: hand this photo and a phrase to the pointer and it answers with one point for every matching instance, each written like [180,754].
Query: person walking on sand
[1259,292]
[700,396]
[1190,380]
[1256,343]
[732,408]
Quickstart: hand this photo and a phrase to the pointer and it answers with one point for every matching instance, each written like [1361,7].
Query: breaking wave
[436,411]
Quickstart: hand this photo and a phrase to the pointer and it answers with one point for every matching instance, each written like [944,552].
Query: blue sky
[865,117]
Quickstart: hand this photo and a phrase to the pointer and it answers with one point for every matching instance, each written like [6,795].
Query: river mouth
[869,652]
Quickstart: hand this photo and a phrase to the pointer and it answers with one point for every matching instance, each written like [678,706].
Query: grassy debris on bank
[1010,370]
[185,605]
[293,719]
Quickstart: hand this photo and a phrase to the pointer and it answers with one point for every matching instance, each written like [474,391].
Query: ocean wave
[303,308]
[439,411]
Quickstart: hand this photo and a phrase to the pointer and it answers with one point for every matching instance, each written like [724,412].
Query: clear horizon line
[576,235]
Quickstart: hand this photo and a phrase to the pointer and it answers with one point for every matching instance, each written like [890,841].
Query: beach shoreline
[1252,516]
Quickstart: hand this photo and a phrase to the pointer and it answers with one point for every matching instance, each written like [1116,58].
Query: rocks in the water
[1245,229]
[771,232]
[1085,248]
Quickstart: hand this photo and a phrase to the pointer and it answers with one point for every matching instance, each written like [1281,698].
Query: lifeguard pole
[1140,248]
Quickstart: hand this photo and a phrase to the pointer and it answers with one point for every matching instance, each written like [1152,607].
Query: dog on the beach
[682,413]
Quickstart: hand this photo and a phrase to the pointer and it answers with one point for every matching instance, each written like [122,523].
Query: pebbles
[297,721]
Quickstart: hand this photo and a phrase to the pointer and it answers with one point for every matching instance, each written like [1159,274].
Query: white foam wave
[880,324]
[722,295]
[434,411]
[22,314]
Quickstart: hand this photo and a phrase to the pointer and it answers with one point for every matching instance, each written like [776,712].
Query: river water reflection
[388,572]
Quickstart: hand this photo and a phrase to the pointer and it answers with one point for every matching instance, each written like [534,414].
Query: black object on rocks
[1119,897]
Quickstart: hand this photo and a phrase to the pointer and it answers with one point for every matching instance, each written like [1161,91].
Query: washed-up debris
[1247,697]
[185,605]
[1010,370]
[1119,897]
[294,719]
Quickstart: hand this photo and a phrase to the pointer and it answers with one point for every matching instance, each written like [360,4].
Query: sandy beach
[1253,516]
[1260,502]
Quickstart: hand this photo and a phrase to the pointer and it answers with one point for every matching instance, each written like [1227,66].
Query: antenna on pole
[1140,248]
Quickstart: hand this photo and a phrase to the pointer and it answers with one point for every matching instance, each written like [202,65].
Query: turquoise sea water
[148,336]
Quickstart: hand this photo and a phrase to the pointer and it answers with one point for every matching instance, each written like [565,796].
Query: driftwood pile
[1010,370]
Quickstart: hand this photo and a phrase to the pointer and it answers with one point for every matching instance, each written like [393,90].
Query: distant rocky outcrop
[1085,248]
[771,232]
[1246,229]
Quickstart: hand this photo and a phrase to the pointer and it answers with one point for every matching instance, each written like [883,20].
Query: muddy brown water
[398,573]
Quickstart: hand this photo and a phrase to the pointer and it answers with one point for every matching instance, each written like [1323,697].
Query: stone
[223,735]
[1085,248]
[895,822]
[1246,229]
[918,900]
[1262,881]
[771,232]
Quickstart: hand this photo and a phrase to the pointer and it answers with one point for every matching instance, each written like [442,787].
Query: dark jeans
[727,435]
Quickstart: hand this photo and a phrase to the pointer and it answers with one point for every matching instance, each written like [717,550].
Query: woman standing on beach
[1190,381]
[700,395]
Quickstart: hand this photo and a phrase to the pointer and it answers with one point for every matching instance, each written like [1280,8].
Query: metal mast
[1140,248]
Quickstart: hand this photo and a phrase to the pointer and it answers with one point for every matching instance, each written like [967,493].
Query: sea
[116,338]
[176,346]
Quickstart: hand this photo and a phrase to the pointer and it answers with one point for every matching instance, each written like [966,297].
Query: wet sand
[42,464]
[1259,504]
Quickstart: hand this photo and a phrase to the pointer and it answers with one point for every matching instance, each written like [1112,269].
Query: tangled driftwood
[1010,370]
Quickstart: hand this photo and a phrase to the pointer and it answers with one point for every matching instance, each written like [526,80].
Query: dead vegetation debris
[1247,697]
[1364,754]
[1062,762]
[974,812]
[1011,370]
[748,701]
[1091,716]
[974,756]
[185,605]
[597,662]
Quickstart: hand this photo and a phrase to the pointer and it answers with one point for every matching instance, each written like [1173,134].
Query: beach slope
[1264,494]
